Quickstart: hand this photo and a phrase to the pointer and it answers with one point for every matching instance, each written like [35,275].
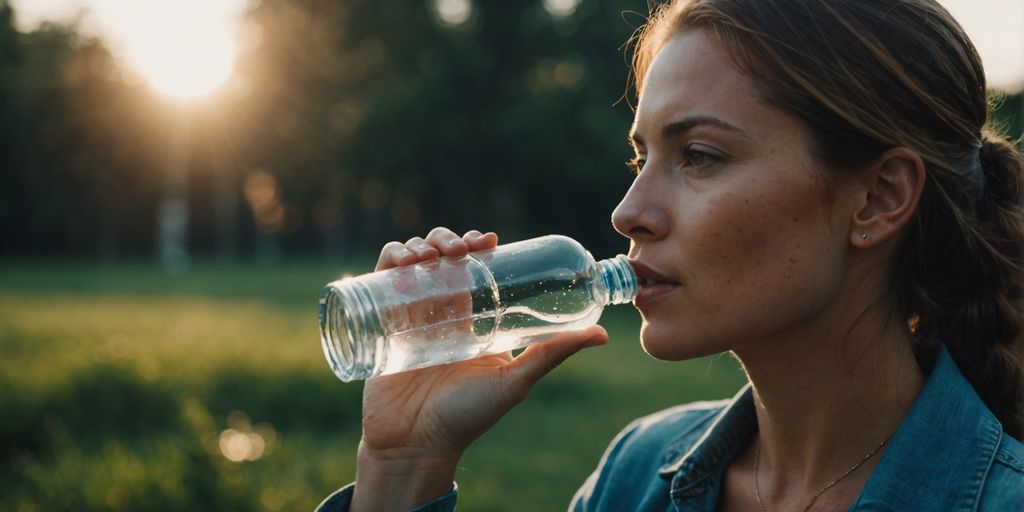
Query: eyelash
[636,164]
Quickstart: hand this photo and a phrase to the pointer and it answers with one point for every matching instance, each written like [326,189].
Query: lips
[653,284]
[646,275]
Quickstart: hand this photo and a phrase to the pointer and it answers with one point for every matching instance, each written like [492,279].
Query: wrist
[400,478]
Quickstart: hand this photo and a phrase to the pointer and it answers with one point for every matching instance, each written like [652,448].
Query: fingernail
[455,241]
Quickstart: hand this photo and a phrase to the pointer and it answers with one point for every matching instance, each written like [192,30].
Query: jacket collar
[730,430]
[940,455]
[947,441]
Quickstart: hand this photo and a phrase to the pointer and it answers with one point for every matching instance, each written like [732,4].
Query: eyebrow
[684,125]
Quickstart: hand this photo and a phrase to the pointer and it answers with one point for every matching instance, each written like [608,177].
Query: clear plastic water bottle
[457,308]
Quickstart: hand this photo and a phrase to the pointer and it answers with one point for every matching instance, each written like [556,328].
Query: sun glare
[188,68]
[183,48]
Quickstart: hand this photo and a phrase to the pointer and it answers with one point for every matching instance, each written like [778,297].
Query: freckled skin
[756,242]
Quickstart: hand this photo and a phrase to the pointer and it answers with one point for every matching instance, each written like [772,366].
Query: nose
[639,215]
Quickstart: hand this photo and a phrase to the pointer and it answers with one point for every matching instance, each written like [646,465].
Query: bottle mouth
[620,279]
[350,331]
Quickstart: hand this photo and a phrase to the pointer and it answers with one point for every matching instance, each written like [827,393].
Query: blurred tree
[10,135]
[387,120]
[74,149]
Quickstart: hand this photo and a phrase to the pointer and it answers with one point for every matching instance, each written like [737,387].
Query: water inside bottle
[532,313]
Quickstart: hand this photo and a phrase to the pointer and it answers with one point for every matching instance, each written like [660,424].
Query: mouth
[647,276]
[653,284]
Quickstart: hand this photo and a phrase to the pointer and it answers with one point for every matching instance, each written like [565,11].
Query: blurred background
[178,180]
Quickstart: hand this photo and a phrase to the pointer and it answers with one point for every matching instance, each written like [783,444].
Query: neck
[826,398]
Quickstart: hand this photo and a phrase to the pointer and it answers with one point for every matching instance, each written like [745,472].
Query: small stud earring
[863,236]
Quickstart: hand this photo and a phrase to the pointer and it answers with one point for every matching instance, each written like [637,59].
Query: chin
[671,346]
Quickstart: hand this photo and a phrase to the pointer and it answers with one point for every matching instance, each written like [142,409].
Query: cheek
[751,250]
[731,231]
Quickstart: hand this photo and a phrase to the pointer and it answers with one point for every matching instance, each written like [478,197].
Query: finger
[478,241]
[538,360]
[447,242]
[394,254]
[422,249]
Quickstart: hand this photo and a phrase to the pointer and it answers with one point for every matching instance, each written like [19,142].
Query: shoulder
[672,430]
[660,438]
[628,477]
[686,414]
[1004,487]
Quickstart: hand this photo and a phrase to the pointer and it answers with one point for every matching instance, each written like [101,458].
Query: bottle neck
[619,279]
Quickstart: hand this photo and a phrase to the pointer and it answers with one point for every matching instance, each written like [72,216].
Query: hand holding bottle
[416,424]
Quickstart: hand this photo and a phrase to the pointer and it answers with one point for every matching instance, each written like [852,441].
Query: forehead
[693,74]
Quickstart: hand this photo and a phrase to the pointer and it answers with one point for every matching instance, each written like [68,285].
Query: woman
[815,194]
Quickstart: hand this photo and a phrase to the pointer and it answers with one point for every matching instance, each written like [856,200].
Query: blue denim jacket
[949,454]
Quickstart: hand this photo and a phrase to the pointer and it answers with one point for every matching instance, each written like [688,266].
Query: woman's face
[730,212]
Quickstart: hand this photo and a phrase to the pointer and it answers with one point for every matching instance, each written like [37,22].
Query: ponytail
[991,351]
[960,275]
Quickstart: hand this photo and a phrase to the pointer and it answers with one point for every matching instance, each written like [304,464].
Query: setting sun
[184,49]
[193,66]
[181,48]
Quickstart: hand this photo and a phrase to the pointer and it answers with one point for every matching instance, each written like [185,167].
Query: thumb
[538,360]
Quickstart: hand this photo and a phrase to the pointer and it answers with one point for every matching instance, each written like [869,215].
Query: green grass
[118,383]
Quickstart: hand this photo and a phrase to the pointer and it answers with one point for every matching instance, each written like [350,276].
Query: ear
[891,189]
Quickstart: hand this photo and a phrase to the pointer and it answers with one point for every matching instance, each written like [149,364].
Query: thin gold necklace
[757,465]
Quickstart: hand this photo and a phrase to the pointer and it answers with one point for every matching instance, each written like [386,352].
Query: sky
[995,26]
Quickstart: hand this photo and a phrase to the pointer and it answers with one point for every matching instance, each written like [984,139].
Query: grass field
[122,388]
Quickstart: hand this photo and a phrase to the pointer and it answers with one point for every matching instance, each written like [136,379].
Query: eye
[636,164]
[698,159]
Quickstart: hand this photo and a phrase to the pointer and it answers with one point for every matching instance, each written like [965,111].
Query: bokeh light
[264,196]
[241,443]
[241,446]
[561,8]
[453,12]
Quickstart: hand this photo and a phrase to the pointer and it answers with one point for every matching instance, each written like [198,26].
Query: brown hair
[869,75]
